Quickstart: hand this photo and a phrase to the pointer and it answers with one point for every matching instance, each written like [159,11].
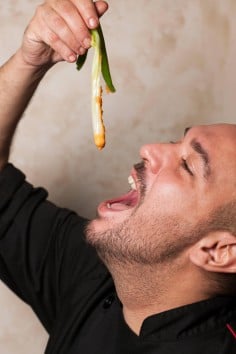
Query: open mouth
[124,202]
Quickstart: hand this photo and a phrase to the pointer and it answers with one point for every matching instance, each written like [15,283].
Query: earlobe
[216,253]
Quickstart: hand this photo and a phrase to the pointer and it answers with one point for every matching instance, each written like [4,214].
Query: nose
[156,155]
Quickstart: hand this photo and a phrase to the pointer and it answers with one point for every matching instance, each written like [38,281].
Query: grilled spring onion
[100,68]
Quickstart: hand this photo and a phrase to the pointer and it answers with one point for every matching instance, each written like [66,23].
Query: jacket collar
[193,319]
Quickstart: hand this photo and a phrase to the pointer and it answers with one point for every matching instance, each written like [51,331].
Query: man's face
[174,190]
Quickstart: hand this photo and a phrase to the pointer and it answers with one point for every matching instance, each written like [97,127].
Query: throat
[139,292]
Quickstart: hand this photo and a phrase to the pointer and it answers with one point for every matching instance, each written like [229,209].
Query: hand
[59,31]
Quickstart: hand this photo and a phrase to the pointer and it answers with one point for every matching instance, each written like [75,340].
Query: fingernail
[72,58]
[93,22]
[87,43]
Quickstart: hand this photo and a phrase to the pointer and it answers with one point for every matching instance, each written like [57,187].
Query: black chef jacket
[45,260]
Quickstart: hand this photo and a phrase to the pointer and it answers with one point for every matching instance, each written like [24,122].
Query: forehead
[214,128]
[219,138]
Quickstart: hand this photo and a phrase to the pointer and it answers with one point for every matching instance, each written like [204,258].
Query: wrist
[36,71]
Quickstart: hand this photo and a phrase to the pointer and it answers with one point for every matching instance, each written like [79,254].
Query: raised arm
[58,31]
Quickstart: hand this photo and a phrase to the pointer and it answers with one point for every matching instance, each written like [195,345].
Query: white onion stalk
[97,112]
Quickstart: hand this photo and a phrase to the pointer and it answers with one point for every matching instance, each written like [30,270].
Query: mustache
[141,176]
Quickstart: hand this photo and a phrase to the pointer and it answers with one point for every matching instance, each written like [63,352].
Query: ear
[215,253]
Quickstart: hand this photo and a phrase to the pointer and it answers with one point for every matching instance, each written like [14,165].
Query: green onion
[100,67]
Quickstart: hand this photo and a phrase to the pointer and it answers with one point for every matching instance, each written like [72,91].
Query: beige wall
[173,63]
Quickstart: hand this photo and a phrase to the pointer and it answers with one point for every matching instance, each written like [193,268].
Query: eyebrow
[204,156]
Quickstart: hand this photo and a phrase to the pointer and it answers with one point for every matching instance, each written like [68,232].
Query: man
[169,245]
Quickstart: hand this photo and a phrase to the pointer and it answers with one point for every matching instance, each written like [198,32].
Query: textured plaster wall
[173,63]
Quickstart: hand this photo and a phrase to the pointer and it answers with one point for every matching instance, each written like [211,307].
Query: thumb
[101,7]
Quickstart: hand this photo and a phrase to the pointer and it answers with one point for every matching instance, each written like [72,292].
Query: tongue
[118,206]
[127,201]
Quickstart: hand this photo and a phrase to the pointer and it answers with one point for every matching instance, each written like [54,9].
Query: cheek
[171,197]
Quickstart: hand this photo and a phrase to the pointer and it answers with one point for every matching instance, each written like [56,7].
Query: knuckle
[57,21]
[52,38]
[65,7]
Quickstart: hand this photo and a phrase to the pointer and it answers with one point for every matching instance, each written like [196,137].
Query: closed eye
[185,166]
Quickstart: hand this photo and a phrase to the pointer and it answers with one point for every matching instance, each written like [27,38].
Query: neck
[148,290]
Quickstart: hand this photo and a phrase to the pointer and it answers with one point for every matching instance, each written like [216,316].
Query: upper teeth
[132,183]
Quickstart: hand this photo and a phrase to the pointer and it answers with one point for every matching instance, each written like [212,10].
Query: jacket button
[108,301]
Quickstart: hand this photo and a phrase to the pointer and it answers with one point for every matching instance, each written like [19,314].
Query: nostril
[151,155]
